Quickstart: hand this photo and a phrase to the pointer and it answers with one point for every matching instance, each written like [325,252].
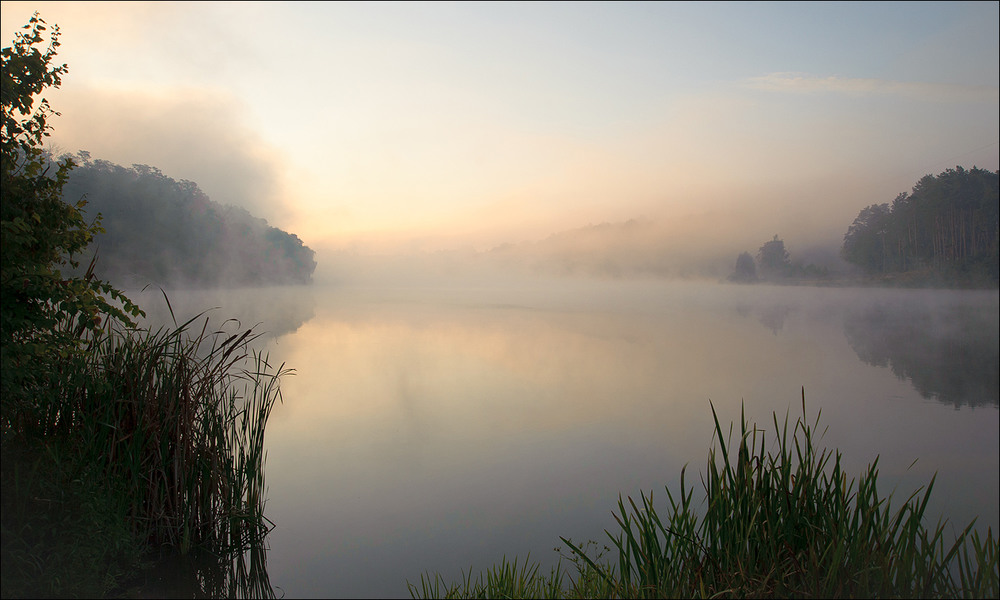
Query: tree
[866,243]
[44,316]
[772,256]
[171,233]
[947,225]
[746,270]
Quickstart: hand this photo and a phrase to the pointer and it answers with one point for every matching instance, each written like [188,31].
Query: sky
[382,127]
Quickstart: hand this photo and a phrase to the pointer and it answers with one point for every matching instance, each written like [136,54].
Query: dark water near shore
[442,428]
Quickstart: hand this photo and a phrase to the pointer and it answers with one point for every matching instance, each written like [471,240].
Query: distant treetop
[773,256]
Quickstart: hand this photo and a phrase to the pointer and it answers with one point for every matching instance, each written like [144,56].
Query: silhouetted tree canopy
[948,224]
[746,270]
[773,257]
[167,232]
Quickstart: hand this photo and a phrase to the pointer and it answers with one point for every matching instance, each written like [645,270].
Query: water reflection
[201,574]
[443,429]
[276,311]
[773,317]
[949,353]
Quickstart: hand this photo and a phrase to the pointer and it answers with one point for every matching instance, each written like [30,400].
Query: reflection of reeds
[175,419]
[780,523]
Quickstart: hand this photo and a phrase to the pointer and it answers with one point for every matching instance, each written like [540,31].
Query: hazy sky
[439,125]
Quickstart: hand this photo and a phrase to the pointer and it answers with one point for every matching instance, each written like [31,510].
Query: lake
[444,427]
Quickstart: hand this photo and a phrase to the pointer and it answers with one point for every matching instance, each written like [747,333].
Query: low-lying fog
[702,246]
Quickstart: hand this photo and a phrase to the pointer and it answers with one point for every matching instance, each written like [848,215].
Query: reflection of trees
[773,317]
[278,310]
[950,354]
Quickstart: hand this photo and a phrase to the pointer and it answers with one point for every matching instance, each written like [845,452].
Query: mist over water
[443,426]
[272,311]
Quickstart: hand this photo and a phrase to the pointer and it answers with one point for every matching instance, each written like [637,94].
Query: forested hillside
[165,232]
[947,226]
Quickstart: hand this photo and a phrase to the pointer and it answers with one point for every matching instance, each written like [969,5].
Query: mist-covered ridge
[169,233]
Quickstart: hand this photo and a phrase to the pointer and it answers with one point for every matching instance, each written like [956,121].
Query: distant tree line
[773,263]
[166,232]
[947,225]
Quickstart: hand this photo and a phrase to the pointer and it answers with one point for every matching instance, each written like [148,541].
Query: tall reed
[175,419]
[777,521]
[506,580]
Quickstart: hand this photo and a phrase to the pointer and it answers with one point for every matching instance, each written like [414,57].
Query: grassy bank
[777,518]
[150,443]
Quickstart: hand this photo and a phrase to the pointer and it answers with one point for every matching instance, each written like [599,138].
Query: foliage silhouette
[947,226]
[43,313]
[169,233]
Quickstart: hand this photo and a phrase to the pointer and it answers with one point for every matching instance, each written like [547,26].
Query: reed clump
[167,425]
[776,521]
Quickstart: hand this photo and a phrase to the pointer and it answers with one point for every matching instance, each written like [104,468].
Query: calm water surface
[445,428]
